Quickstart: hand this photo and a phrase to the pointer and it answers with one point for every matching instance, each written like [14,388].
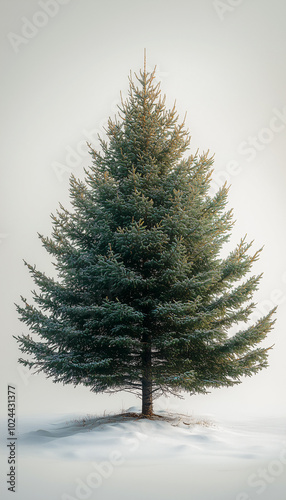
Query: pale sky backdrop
[63,65]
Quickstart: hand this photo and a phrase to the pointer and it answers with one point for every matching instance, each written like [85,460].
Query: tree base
[137,416]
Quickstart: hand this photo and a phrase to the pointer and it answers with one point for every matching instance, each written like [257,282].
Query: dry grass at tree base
[175,419]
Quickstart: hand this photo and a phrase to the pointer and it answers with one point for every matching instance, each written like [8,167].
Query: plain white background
[63,67]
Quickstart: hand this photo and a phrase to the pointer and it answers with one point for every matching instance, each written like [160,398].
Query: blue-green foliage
[139,268]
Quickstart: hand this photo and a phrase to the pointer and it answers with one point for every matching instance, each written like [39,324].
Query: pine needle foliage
[143,301]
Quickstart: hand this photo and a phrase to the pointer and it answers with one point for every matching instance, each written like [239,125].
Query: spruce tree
[143,301]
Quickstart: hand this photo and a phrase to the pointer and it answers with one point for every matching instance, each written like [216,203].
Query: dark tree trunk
[147,402]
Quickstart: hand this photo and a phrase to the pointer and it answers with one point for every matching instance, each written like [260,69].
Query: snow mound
[79,457]
[157,438]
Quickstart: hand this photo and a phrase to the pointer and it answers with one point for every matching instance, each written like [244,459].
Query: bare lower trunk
[147,402]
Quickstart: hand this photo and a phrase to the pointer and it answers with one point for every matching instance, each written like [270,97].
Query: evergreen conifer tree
[144,302]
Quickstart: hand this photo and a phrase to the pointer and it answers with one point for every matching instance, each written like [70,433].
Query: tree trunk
[147,402]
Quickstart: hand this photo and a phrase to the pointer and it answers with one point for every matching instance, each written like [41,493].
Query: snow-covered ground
[105,457]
